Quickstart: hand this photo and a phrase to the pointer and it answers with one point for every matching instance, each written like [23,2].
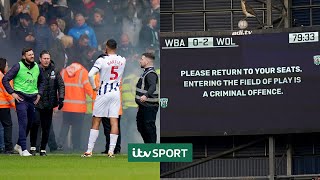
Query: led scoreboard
[199,42]
[232,85]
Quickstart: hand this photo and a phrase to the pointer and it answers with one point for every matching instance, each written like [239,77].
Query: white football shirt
[111,68]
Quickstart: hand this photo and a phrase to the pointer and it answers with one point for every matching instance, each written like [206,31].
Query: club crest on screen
[164,102]
[316,59]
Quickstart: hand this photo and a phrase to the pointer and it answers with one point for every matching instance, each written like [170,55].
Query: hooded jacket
[77,86]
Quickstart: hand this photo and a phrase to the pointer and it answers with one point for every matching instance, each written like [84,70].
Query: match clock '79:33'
[303,37]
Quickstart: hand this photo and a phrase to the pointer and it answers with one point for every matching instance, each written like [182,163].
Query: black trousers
[146,123]
[7,128]
[51,141]
[106,129]
[43,118]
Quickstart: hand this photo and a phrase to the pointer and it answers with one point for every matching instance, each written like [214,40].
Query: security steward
[147,98]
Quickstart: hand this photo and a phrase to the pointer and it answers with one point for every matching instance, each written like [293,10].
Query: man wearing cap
[55,30]
[23,35]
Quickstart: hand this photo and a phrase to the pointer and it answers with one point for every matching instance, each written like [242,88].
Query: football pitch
[72,166]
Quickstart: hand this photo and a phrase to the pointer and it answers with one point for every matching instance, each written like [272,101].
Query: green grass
[72,166]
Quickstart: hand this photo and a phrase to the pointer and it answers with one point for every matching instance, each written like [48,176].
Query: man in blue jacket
[82,28]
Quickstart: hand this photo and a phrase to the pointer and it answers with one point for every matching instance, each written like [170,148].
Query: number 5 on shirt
[114,72]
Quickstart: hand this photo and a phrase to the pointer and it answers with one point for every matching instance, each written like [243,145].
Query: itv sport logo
[160,152]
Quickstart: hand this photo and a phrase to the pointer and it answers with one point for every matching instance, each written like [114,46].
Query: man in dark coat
[53,96]
[148,35]
[23,35]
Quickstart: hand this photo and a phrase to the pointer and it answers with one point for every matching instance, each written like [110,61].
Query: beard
[30,60]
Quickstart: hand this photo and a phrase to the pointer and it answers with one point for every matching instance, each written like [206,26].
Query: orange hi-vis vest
[77,85]
[97,82]
[6,100]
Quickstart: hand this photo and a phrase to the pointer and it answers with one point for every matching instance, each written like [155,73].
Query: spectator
[55,29]
[63,12]
[62,25]
[80,50]
[134,8]
[92,56]
[112,11]
[155,11]
[113,18]
[67,42]
[15,11]
[23,35]
[42,35]
[126,49]
[76,6]
[28,7]
[102,29]
[148,35]
[89,6]
[45,8]
[56,47]
[134,11]
[82,28]
[3,26]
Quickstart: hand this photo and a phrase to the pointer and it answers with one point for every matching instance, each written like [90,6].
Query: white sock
[92,139]
[113,142]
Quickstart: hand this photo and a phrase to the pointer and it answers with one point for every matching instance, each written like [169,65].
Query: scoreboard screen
[240,85]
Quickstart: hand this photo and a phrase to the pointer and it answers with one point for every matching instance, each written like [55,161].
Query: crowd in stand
[45,24]
[76,31]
